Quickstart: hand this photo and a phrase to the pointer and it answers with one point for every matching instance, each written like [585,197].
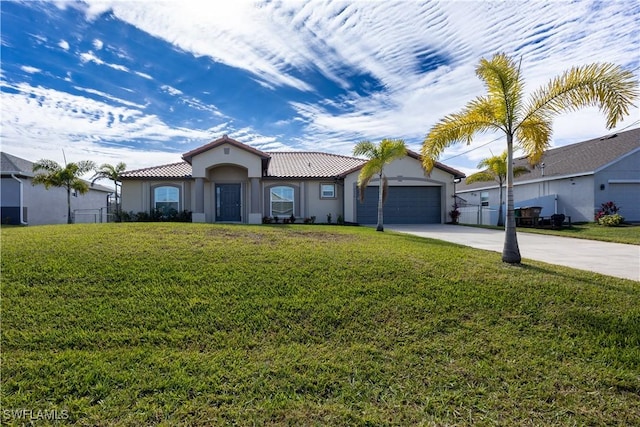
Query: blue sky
[145,81]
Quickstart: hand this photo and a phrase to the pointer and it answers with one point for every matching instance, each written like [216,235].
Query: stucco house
[27,204]
[573,180]
[228,181]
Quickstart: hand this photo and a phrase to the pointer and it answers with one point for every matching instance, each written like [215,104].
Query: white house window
[166,198]
[484,198]
[327,191]
[282,201]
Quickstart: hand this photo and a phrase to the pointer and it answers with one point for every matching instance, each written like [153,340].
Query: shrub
[608,208]
[611,220]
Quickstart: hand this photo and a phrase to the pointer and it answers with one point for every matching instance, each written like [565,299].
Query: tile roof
[278,164]
[310,164]
[173,170]
[282,164]
[582,158]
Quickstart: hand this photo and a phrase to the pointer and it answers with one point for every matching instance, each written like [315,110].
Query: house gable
[226,151]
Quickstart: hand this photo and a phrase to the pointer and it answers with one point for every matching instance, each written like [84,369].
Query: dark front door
[228,202]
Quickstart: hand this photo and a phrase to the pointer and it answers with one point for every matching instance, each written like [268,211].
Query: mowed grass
[197,324]
[625,233]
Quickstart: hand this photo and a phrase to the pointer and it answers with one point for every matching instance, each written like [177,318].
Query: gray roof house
[23,203]
[228,181]
[573,180]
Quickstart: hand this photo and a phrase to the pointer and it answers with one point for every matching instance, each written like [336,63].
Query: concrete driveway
[612,259]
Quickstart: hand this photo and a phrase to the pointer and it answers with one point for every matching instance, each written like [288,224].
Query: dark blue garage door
[404,205]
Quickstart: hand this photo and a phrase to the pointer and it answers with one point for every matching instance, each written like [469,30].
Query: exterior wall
[321,208]
[10,201]
[50,206]
[226,154]
[137,195]
[403,172]
[575,196]
[620,183]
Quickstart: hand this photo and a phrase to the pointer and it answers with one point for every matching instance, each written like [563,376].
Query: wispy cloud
[342,71]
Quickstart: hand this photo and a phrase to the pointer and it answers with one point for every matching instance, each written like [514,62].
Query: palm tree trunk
[69,206]
[380,227]
[117,212]
[510,251]
[500,213]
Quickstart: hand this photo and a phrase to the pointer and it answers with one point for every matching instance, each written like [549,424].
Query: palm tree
[529,123]
[53,175]
[107,171]
[495,169]
[387,151]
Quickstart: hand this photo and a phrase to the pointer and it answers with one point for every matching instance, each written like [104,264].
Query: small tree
[113,173]
[387,151]
[50,174]
[528,122]
[496,170]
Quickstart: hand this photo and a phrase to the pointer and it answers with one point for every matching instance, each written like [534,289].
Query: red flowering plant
[608,208]
[608,215]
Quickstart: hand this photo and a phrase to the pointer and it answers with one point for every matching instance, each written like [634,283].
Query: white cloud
[282,42]
[30,70]
[38,121]
[91,57]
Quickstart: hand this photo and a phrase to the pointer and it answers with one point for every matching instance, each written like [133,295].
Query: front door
[228,202]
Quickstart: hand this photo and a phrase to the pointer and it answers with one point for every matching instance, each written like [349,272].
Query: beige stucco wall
[403,172]
[226,154]
[137,195]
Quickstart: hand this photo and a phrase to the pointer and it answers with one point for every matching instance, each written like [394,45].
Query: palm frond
[477,117]
[606,86]
[46,166]
[534,137]
[501,76]
[364,148]
[520,170]
[481,176]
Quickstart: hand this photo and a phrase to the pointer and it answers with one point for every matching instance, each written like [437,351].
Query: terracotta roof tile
[173,170]
[310,164]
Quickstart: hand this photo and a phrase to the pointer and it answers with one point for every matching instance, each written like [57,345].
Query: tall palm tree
[529,122]
[495,169]
[51,174]
[379,155]
[107,171]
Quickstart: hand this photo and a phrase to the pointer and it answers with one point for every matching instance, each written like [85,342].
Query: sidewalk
[612,259]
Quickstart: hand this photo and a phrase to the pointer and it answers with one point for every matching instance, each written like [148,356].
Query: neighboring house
[227,181]
[24,203]
[573,180]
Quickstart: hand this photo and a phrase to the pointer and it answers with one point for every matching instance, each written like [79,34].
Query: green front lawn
[197,324]
[625,233]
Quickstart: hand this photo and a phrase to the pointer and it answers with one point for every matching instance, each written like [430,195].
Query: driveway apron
[612,259]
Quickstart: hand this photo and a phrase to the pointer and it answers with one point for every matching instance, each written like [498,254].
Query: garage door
[404,205]
[626,195]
